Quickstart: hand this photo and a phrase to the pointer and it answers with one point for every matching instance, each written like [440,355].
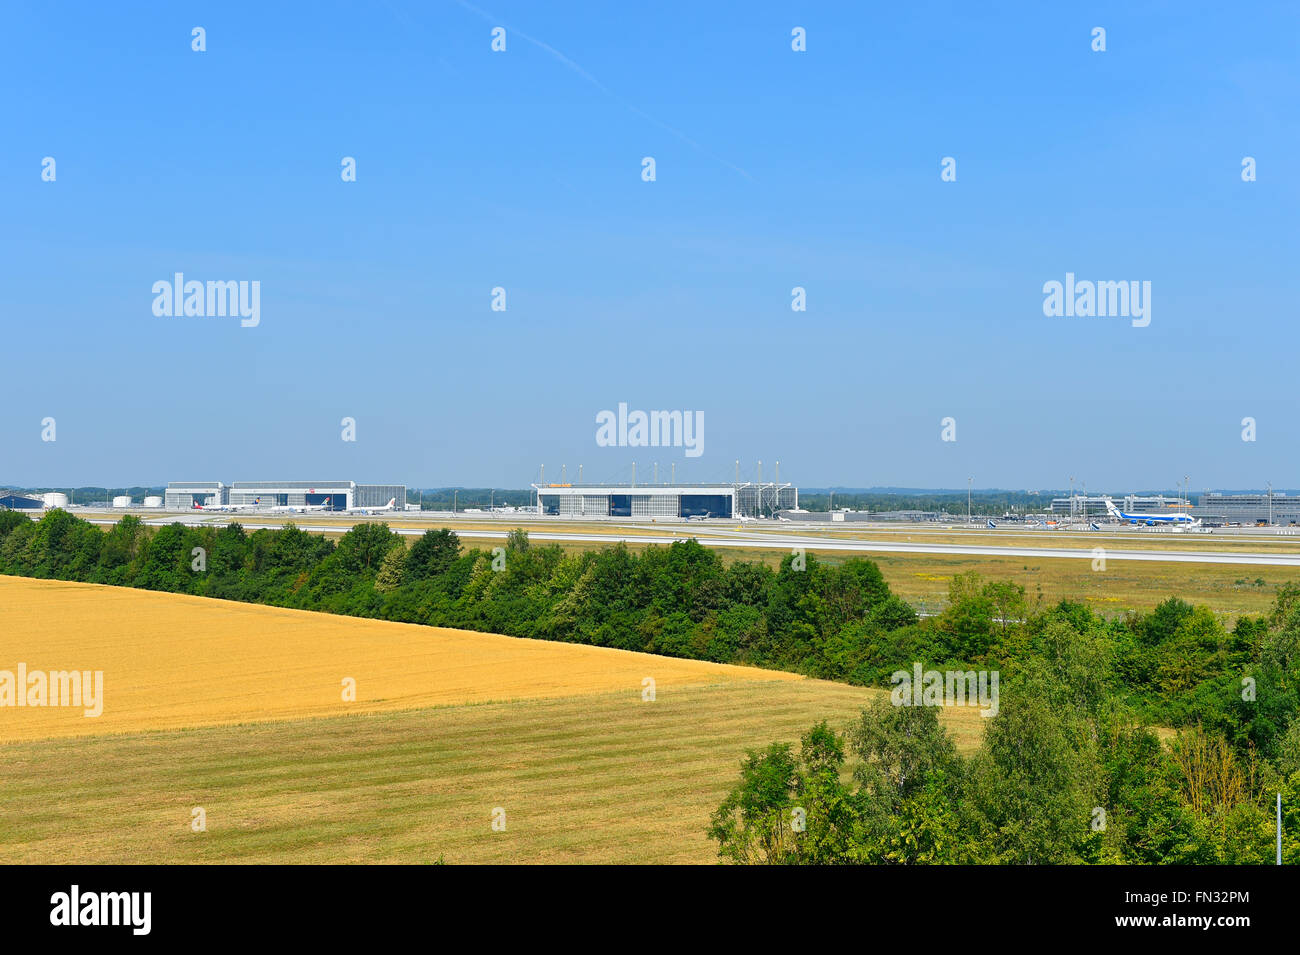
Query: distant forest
[445,498]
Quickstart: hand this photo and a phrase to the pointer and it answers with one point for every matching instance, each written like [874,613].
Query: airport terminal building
[1275,508]
[861,517]
[331,495]
[748,499]
[1094,505]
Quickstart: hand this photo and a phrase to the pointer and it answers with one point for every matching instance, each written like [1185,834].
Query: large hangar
[184,495]
[20,502]
[328,495]
[318,495]
[665,500]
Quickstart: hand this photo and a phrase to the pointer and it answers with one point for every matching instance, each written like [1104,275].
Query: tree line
[1064,774]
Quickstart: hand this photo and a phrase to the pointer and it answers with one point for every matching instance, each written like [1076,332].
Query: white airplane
[1151,520]
[297,508]
[225,507]
[392,503]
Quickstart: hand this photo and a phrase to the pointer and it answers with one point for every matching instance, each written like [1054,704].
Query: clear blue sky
[522,169]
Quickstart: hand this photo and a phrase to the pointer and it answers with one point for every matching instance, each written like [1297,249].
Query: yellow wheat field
[171,661]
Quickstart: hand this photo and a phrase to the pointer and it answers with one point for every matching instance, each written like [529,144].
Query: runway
[710,537]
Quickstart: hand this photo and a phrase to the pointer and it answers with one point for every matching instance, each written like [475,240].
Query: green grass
[922,579]
[593,779]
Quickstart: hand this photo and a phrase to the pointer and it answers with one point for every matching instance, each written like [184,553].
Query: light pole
[968,486]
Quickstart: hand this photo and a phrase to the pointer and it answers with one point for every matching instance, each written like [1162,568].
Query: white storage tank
[54,499]
[122,500]
[153,500]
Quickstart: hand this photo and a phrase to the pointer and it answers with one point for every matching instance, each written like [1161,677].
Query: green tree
[51,548]
[361,550]
[754,824]
[1031,785]
[900,747]
[789,810]
[968,621]
[432,555]
[391,570]
[10,520]
[165,563]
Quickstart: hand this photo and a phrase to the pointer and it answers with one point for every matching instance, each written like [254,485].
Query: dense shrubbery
[1070,769]
[1079,692]
[1049,784]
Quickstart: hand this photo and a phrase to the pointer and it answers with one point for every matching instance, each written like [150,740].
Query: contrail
[605,89]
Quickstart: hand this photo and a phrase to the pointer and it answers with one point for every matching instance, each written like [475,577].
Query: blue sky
[775,169]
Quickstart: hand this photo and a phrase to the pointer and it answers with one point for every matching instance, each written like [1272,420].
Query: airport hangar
[334,495]
[746,499]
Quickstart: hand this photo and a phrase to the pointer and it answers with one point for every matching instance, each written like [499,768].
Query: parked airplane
[392,503]
[297,508]
[226,507]
[1151,520]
